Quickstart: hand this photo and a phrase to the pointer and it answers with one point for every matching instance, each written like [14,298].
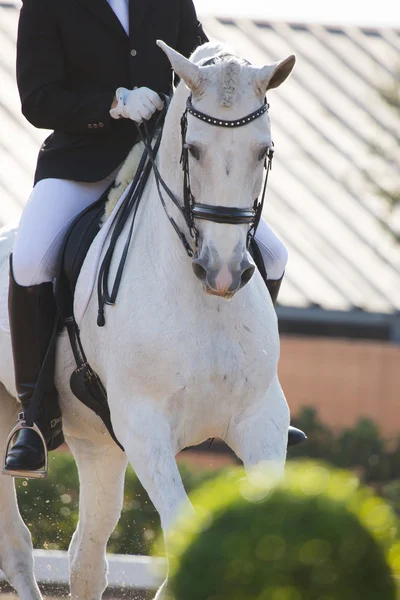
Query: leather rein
[190,210]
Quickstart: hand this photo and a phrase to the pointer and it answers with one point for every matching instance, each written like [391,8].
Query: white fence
[135,572]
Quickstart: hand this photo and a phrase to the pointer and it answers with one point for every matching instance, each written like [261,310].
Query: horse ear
[184,68]
[271,76]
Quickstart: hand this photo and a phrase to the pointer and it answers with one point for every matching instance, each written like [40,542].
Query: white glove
[138,104]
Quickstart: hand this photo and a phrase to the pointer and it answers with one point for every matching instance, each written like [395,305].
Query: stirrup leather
[39,473]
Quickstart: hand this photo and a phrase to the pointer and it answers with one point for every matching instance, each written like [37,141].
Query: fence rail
[124,571]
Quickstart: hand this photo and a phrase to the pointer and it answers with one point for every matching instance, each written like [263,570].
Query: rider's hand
[138,104]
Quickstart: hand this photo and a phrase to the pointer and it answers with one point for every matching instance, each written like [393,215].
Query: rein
[129,205]
[191,210]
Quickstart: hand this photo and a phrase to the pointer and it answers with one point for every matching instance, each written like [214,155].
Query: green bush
[316,536]
[361,447]
[50,508]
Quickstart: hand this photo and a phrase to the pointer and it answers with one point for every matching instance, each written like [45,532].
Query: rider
[72,56]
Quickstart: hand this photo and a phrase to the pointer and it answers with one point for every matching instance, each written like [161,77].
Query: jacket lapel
[105,13]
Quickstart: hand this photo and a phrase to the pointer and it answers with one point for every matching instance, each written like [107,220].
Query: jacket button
[101,124]
[90,126]
[133,52]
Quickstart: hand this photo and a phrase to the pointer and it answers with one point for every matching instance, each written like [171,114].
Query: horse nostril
[199,270]
[247,275]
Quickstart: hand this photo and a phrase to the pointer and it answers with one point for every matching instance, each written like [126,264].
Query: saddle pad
[78,240]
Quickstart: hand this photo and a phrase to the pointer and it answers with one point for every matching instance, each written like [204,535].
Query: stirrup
[39,473]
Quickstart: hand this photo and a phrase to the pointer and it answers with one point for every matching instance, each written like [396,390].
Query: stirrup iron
[39,473]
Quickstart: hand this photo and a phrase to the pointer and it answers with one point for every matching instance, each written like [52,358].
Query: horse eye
[263,153]
[194,152]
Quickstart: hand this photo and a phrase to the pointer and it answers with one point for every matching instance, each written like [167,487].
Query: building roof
[321,199]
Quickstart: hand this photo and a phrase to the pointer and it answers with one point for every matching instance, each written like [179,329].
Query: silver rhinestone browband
[221,122]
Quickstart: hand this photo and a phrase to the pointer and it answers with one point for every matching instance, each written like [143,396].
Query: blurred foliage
[361,448]
[50,508]
[316,536]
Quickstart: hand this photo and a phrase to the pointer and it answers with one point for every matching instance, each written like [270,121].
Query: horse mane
[123,179]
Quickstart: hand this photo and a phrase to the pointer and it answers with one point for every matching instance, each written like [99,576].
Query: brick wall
[343,379]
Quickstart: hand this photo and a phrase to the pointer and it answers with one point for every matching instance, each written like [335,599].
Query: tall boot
[273,286]
[32,316]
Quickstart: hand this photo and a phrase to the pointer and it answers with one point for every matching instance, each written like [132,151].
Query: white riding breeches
[273,251]
[54,204]
[51,208]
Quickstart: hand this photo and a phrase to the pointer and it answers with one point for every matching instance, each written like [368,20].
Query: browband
[221,122]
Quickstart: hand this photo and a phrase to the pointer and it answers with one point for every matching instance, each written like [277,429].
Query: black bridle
[190,210]
[220,214]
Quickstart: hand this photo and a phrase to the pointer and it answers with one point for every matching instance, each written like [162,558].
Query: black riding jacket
[71,57]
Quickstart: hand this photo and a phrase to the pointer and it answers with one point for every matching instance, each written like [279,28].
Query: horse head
[226,138]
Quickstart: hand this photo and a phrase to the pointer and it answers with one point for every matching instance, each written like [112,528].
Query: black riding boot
[274,285]
[32,315]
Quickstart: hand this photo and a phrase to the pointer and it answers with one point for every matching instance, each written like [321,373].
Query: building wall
[343,379]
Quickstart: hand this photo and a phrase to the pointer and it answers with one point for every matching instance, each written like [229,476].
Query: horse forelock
[229,81]
[227,70]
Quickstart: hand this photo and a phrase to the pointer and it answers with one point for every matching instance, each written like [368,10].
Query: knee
[25,270]
[279,262]
[275,256]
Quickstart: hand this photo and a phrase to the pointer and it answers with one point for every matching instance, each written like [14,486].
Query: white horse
[179,365]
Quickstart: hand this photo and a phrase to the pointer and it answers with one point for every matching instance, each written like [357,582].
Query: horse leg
[16,559]
[147,439]
[260,437]
[101,476]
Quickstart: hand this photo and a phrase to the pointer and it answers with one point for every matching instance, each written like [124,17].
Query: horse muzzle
[223,281]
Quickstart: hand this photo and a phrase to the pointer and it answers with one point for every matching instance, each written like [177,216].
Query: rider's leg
[274,255]
[32,317]
[52,206]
